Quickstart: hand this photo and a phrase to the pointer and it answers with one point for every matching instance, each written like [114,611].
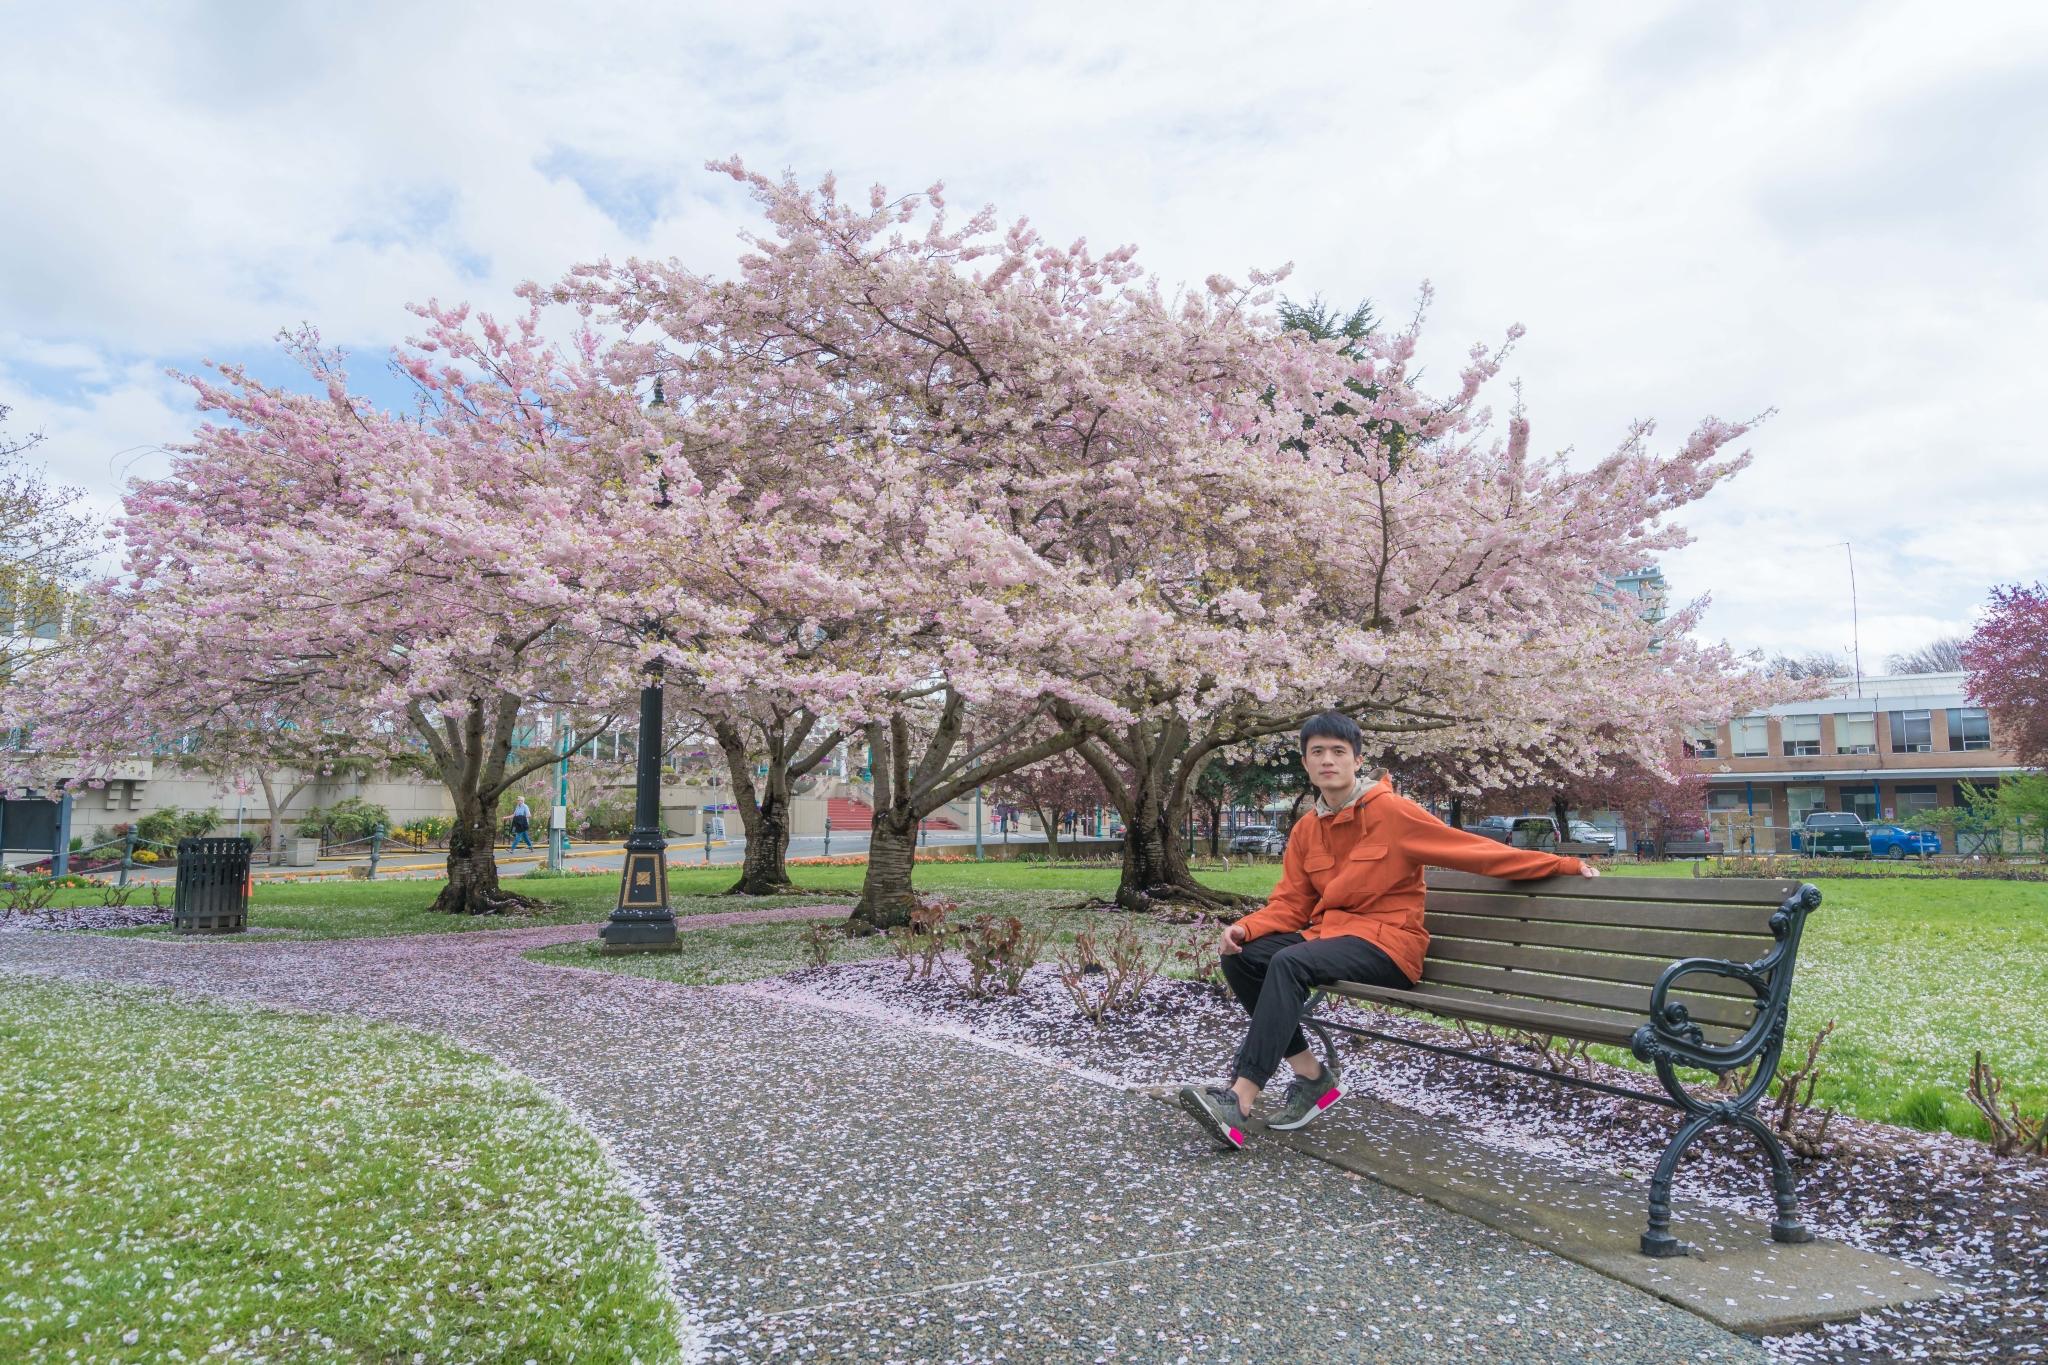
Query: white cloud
[1830,209]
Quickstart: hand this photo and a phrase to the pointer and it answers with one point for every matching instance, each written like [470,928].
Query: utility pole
[1855,624]
[558,819]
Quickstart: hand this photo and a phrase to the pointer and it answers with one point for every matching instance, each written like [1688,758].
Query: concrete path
[836,1188]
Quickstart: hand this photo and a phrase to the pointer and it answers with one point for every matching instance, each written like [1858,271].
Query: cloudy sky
[1835,210]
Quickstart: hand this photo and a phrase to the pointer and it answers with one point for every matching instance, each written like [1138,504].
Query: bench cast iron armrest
[1671,1037]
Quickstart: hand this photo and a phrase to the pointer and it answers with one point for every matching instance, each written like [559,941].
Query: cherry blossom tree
[1146,526]
[2007,659]
[416,586]
[1049,789]
[45,544]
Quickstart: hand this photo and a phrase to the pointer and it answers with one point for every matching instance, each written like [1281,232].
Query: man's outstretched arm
[1433,843]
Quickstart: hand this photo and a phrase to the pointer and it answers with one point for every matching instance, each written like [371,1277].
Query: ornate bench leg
[1786,1227]
[1657,1239]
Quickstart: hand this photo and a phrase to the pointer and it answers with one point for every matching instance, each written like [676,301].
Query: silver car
[1259,839]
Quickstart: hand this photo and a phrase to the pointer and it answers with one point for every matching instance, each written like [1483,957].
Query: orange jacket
[1359,873]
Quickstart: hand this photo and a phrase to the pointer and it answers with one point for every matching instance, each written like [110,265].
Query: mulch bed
[1938,1201]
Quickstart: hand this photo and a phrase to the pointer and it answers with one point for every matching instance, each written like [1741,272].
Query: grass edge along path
[198,1180]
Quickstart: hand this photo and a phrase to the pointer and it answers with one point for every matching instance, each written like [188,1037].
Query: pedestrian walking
[522,825]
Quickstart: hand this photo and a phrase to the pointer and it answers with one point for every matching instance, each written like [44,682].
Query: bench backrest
[1598,945]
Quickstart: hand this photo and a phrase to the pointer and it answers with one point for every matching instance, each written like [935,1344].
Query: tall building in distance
[1647,586]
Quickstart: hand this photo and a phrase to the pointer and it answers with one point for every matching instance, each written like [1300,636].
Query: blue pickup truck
[1896,841]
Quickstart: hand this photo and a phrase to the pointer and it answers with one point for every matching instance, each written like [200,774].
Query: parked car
[1518,831]
[1832,834]
[1258,839]
[1896,841]
[1586,832]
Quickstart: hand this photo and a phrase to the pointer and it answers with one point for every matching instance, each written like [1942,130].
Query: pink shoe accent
[1237,1137]
[1330,1097]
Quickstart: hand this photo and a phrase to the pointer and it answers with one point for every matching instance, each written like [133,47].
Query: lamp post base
[637,937]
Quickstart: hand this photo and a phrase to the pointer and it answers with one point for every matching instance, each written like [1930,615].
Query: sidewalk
[840,1188]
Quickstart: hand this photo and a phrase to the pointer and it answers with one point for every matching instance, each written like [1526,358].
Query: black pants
[1274,975]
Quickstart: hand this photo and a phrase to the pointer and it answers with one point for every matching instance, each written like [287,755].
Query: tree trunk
[1150,774]
[886,897]
[472,887]
[278,807]
[1457,812]
[1052,834]
[762,871]
[275,840]
[1155,863]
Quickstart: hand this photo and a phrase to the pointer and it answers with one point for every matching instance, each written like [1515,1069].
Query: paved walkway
[836,1188]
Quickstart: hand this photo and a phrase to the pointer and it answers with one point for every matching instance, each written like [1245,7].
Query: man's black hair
[1333,725]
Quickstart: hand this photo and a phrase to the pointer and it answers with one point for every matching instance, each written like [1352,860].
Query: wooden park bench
[1692,848]
[1692,973]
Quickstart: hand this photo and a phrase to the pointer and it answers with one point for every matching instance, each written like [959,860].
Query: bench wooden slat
[1629,999]
[1564,1020]
[1750,920]
[1598,938]
[1725,890]
[1641,971]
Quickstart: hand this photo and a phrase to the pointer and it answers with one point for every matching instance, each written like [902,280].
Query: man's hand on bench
[1587,869]
[1232,941]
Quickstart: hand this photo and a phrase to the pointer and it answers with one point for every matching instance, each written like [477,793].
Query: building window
[1703,744]
[1803,801]
[1856,734]
[1968,728]
[1862,801]
[1751,737]
[1911,732]
[1802,736]
[1915,799]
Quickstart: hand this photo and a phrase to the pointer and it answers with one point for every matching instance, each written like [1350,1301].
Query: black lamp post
[642,921]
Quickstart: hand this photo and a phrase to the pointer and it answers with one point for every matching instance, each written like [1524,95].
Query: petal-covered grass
[197,1181]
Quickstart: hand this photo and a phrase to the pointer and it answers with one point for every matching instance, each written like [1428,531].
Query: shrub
[1195,954]
[428,829]
[999,951]
[818,941]
[169,826]
[607,820]
[344,822]
[1105,979]
[2012,1131]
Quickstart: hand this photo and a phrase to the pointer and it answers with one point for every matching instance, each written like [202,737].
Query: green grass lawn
[298,1188]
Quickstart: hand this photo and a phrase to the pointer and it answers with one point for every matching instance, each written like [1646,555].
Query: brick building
[1883,749]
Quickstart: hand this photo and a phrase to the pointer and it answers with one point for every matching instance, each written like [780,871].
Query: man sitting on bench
[1348,908]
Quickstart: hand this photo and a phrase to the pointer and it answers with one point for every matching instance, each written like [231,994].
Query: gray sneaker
[1216,1110]
[1306,1100]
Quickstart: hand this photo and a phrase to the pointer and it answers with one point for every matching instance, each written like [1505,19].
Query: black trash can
[213,886]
